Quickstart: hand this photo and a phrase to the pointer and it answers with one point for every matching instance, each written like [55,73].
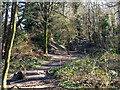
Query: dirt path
[39,78]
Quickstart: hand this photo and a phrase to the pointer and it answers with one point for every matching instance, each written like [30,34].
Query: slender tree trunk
[5,29]
[10,29]
[45,37]
[46,9]
[0,41]
[0,36]
[119,28]
[7,59]
[45,29]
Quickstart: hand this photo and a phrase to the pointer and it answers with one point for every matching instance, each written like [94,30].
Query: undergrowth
[89,73]
[24,64]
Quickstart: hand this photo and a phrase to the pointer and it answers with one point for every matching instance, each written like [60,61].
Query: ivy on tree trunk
[7,58]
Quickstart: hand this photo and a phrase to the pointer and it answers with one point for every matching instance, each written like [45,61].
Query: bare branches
[113,4]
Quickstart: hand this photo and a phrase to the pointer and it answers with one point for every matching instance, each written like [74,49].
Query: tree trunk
[45,38]
[0,39]
[5,29]
[45,30]
[0,35]
[10,29]
[119,28]
[7,58]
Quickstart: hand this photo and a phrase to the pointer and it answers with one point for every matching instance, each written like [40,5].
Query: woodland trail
[40,78]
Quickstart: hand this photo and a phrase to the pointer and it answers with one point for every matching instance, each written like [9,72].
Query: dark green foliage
[38,40]
[33,18]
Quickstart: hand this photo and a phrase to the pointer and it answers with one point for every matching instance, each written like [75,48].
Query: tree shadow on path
[39,78]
